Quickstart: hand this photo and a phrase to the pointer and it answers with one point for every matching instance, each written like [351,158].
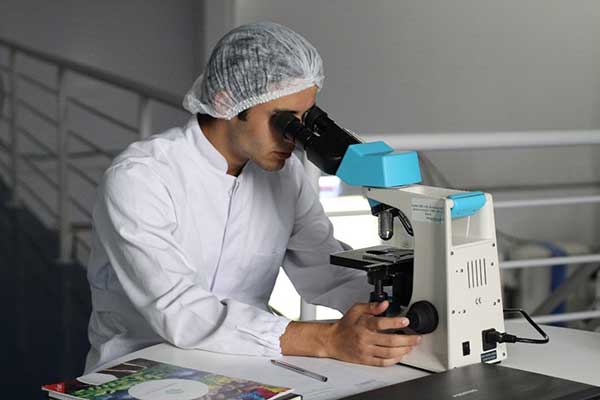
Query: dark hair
[206,117]
[243,116]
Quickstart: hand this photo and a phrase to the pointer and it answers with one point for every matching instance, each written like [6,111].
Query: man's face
[256,139]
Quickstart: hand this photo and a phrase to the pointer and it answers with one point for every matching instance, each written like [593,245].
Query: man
[191,226]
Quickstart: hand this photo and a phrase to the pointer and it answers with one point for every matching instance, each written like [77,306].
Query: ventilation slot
[477,273]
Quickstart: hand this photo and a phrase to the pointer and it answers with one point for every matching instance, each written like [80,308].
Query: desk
[571,354]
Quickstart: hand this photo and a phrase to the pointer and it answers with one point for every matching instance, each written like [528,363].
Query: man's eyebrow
[278,110]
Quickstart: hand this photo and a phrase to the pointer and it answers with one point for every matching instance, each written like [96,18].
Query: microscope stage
[372,258]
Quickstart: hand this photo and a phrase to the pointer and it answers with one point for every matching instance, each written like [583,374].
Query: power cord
[493,336]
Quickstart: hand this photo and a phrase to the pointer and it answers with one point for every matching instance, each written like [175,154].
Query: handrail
[38,142]
[38,198]
[97,150]
[42,174]
[100,114]
[550,261]
[40,114]
[78,171]
[485,140]
[80,207]
[37,83]
[547,201]
[573,316]
[504,204]
[99,74]
[147,95]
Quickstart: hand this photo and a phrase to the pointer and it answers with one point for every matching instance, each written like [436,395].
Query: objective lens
[386,224]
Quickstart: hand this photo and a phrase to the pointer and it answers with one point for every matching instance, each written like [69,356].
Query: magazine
[152,380]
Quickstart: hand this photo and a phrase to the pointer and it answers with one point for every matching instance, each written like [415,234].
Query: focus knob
[423,317]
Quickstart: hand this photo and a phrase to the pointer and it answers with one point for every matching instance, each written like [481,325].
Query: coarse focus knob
[423,317]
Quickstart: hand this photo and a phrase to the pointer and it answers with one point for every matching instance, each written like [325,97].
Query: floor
[44,306]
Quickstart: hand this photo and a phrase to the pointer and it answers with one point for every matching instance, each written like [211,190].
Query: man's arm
[355,338]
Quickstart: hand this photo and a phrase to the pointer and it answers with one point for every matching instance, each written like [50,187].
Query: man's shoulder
[153,156]
[155,147]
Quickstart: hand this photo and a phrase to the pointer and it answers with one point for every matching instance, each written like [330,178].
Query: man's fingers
[374,308]
[383,362]
[395,340]
[384,323]
[390,352]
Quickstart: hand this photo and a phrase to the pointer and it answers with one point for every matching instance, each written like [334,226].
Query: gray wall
[152,42]
[445,66]
[391,66]
[466,65]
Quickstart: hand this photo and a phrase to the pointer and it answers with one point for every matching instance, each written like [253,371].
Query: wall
[438,66]
[466,65]
[157,43]
[391,66]
[151,41]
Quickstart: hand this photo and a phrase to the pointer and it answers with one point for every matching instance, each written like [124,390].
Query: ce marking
[478,300]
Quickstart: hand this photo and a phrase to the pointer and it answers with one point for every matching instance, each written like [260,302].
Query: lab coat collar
[204,146]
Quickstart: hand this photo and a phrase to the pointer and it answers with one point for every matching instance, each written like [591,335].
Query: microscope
[446,281]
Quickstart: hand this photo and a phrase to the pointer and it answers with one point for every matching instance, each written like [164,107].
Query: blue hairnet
[254,64]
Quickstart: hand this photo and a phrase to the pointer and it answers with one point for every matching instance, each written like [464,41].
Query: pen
[299,370]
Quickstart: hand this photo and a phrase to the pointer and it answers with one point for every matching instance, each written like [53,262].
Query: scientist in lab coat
[192,225]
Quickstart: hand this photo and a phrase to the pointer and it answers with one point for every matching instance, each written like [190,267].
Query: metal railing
[68,230]
[60,183]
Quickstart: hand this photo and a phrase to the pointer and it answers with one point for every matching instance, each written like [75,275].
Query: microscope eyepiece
[317,120]
[289,126]
[314,117]
[324,142]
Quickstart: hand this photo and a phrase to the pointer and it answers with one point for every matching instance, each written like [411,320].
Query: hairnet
[254,64]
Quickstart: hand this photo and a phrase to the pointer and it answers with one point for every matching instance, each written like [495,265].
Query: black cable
[493,336]
[545,339]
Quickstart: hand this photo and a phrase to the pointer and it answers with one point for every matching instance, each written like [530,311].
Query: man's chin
[271,165]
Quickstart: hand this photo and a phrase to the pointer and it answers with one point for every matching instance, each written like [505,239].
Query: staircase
[45,305]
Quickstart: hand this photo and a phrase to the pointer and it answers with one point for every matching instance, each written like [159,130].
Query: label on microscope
[428,210]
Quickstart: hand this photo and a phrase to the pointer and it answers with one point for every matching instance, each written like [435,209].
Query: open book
[152,380]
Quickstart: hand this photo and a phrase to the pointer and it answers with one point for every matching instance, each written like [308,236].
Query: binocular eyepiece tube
[324,142]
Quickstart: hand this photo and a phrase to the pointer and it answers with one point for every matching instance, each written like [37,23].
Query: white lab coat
[184,253]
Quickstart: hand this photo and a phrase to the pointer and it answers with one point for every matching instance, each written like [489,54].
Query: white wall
[466,65]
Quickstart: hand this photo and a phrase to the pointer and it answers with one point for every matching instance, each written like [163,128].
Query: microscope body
[445,278]
[455,269]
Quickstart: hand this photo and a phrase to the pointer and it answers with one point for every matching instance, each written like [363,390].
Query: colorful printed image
[137,371]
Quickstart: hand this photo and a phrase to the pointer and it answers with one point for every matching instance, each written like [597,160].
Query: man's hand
[356,338]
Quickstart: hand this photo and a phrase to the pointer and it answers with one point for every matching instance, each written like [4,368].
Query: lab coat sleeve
[135,218]
[307,257]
